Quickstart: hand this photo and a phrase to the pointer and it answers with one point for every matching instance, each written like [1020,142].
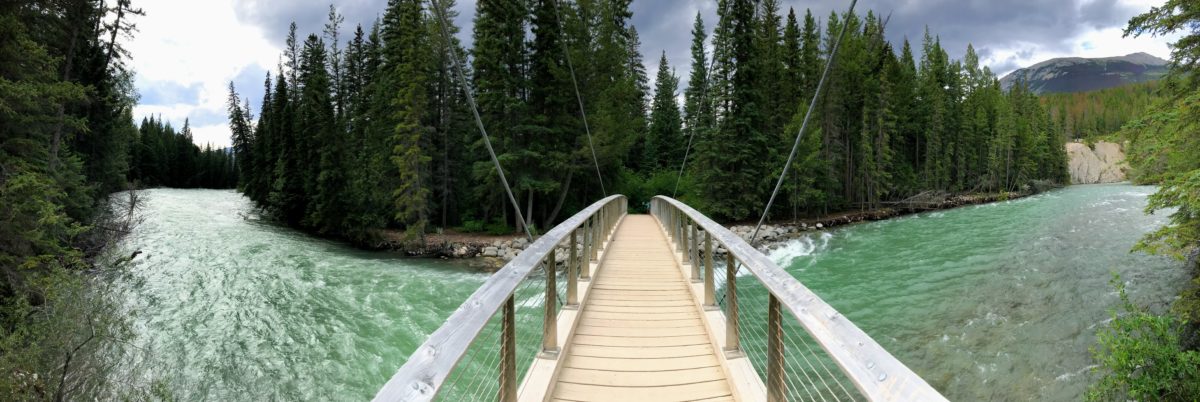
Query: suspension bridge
[640,307]
[649,307]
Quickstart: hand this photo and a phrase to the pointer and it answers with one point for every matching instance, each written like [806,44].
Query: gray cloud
[310,16]
[665,25]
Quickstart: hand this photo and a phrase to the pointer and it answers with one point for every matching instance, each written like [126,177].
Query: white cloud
[196,42]
[216,135]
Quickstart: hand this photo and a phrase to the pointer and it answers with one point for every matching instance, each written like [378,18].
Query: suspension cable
[578,96]
[703,96]
[487,142]
[803,126]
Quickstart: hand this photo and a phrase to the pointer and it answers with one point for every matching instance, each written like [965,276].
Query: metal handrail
[422,376]
[877,374]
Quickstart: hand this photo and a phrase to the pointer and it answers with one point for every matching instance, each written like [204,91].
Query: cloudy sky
[187,52]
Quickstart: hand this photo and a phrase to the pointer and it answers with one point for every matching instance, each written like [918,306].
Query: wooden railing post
[732,345]
[585,258]
[573,272]
[710,300]
[550,320]
[596,238]
[685,242]
[677,224]
[508,353]
[694,251]
[776,386]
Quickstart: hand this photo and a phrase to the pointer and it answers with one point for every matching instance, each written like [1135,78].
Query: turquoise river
[991,302]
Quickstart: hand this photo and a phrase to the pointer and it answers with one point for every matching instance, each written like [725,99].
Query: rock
[498,243]
[820,226]
[520,243]
[510,255]
[491,251]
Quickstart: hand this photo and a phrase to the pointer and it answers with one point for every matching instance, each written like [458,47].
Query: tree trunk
[561,199]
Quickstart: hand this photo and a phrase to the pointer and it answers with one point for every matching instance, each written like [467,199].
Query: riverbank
[490,252]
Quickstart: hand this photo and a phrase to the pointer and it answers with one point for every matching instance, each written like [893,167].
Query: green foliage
[67,142]
[1139,357]
[1179,237]
[1100,114]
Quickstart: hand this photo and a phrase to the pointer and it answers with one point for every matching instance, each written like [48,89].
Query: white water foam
[805,246]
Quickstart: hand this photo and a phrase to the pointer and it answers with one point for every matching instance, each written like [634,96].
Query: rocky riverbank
[492,252]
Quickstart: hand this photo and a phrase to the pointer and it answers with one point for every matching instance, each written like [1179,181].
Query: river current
[991,302]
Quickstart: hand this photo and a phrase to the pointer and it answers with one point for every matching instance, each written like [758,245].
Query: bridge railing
[495,304]
[780,350]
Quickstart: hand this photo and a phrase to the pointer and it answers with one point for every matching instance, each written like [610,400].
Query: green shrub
[472,226]
[1139,357]
[498,227]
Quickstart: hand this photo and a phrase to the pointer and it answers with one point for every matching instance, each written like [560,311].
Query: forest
[373,131]
[160,156]
[1099,114]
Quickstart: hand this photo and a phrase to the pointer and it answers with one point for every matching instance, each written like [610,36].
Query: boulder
[491,251]
[820,226]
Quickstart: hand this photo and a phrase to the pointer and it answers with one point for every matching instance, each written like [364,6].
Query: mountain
[1077,74]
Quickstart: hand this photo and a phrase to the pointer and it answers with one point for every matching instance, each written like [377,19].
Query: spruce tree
[406,61]
[316,116]
[733,156]
[697,99]
[664,140]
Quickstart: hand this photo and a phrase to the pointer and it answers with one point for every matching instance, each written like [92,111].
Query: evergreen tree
[315,114]
[406,62]
[733,156]
[664,141]
[697,101]
[499,64]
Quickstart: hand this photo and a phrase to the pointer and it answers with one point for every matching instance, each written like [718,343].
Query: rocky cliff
[1103,164]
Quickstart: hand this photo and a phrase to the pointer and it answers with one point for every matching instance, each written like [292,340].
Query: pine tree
[664,141]
[315,114]
[242,134]
[733,156]
[499,64]
[697,99]
[406,65]
[449,118]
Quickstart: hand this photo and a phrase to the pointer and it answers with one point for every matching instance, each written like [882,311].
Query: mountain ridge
[1079,74]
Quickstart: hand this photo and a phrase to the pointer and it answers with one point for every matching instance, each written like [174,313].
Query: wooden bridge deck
[640,334]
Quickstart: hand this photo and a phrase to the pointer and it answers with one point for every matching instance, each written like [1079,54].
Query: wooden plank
[634,323]
[641,303]
[642,316]
[584,329]
[642,352]
[660,310]
[688,392]
[636,365]
[641,379]
[623,341]
[616,295]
